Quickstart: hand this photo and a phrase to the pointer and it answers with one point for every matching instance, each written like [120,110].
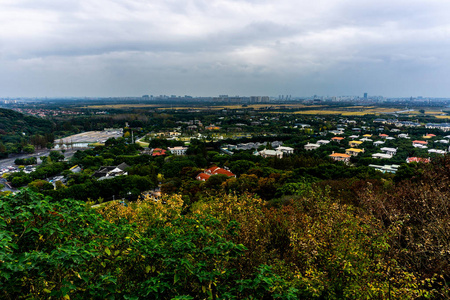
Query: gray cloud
[199,47]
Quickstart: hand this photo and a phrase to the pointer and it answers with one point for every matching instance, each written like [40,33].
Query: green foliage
[26,161]
[56,156]
[63,250]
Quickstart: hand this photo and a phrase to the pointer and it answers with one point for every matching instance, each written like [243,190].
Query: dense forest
[21,133]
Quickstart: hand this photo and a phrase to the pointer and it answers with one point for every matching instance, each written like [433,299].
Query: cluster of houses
[251,145]
[385,152]
[179,150]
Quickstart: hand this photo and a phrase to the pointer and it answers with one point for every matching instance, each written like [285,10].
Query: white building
[389,151]
[271,153]
[178,150]
[311,146]
[437,151]
[285,150]
[381,156]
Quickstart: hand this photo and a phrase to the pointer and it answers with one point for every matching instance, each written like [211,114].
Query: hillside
[15,123]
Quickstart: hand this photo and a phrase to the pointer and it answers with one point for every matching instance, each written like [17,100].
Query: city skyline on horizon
[114,48]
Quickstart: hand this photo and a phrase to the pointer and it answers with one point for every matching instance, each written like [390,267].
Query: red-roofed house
[417,160]
[202,177]
[383,135]
[213,171]
[419,143]
[216,170]
[158,152]
[340,157]
[337,139]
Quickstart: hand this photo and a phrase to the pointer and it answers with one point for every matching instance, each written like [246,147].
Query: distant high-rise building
[365,95]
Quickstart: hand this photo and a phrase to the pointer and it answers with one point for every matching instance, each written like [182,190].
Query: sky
[108,48]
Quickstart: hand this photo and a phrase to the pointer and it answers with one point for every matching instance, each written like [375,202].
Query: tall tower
[365,95]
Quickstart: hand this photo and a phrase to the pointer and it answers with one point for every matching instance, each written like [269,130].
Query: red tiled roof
[417,159]
[339,155]
[158,152]
[420,142]
[203,176]
[224,172]
[216,170]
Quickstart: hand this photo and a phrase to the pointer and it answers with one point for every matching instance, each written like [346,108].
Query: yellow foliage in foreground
[144,211]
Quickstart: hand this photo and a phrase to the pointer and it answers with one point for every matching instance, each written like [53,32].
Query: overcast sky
[238,47]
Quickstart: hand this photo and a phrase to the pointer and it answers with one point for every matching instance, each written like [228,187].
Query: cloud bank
[210,47]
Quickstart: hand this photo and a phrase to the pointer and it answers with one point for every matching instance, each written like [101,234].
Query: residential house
[178,150]
[389,151]
[417,160]
[270,153]
[213,171]
[311,146]
[354,144]
[442,141]
[419,144]
[340,157]
[386,168]
[76,169]
[285,150]
[337,139]
[354,151]
[442,152]
[105,172]
[366,140]
[381,156]
[442,126]
[158,152]
[322,142]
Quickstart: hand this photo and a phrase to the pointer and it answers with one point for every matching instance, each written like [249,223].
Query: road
[10,160]
[4,163]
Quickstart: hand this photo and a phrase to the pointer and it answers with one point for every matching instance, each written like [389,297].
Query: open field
[203,107]
[120,106]
[287,108]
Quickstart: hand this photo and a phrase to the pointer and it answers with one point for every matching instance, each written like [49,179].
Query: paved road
[7,162]
[10,160]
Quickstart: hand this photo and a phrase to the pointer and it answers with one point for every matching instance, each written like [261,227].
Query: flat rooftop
[90,137]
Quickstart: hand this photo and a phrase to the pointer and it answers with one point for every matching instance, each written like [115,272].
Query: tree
[56,156]
[65,250]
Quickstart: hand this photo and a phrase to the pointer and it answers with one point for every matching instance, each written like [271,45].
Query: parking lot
[82,140]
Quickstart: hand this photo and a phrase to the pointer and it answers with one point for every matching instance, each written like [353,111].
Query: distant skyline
[77,48]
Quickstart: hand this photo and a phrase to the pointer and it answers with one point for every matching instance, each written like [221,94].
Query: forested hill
[15,123]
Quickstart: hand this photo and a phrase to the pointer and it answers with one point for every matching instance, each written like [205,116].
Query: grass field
[300,109]
[120,106]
